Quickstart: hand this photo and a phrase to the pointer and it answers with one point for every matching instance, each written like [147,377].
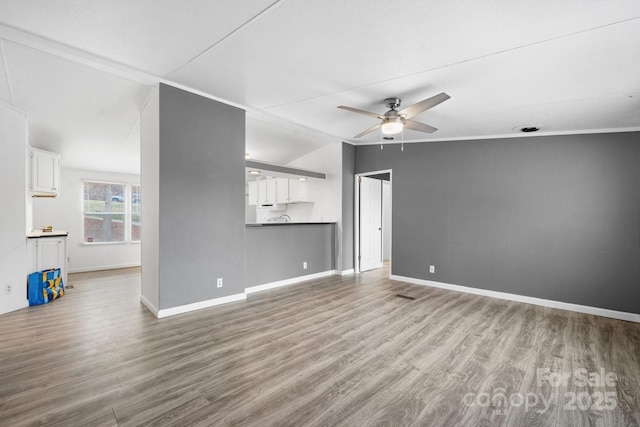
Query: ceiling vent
[528,128]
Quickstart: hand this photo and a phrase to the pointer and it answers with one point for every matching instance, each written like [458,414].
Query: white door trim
[356,219]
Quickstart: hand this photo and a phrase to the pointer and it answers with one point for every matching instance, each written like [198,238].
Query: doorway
[372,220]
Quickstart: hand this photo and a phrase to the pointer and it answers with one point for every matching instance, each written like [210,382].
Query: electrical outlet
[432,269]
[219,282]
[304,265]
[8,289]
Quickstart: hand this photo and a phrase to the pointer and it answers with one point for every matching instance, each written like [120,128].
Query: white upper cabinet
[253,193]
[279,191]
[282,190]
[271,192]
[262,192]
[266,192]
[44,172]
[299,191]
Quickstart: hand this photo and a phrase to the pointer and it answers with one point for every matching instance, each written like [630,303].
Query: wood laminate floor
[339,351]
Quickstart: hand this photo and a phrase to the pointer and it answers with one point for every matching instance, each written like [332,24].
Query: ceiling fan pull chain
[402,144]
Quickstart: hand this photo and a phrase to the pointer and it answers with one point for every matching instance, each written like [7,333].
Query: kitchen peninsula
[278,252]
[286,235]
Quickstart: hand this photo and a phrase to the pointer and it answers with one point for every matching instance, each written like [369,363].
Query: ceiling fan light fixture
[392,126]
[394,121]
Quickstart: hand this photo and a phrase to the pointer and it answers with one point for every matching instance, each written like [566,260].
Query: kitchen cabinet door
[282,190]
[271,191]
[45,173]
[262,192]
[48,252]
[298,191]
[253,193]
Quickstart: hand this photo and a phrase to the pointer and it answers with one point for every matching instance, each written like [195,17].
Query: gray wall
[348,176]
[554,217]
[276,252]
[201,198]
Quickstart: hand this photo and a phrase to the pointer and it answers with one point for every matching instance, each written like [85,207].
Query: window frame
[130,215]
[127,213]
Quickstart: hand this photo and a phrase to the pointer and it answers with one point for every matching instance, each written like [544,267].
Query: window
[111,212]
[136,201]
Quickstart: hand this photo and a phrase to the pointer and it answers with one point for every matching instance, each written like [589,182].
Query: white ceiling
[81,70]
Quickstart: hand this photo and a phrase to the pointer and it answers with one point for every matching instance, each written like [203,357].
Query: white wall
[150,177]
[65,213]
[326,194]
[13,242]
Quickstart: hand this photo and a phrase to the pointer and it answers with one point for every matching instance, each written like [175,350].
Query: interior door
[370,223]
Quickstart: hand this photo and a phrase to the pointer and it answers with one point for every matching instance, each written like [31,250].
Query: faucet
[284,218]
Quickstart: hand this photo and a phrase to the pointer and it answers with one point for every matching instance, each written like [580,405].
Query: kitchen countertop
[261,224]
[36,234]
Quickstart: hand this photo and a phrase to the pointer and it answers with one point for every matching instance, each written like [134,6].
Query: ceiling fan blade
[422,127]
[355,110]
[424,105]
[371,129]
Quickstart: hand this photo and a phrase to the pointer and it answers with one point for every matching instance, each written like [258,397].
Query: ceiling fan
[393,121]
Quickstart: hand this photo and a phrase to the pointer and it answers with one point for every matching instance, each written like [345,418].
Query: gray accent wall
[348,199]
[276,252]
[201,198]
[553,217]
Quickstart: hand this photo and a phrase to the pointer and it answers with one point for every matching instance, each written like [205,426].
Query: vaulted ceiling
[82,70]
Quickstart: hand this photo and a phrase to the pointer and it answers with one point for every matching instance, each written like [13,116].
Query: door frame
[356,219]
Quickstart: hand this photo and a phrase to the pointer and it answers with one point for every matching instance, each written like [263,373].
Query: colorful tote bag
[45,286]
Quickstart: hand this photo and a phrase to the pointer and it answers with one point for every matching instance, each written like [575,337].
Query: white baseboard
[160,313]
[287,282]
[166,312]
[101,267]
[13,307]
[346,272]
[621,315]
[149,306]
